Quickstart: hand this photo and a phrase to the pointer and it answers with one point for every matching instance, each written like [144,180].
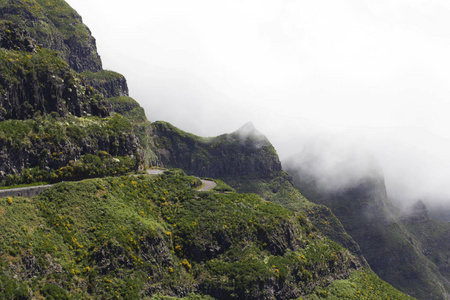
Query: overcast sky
[371,74]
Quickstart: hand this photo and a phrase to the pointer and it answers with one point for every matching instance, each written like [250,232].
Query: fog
[367,76]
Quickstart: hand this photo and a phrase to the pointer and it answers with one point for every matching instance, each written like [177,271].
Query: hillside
[391,249]
[135,237]
[247,161]
[62,115]
[63,118]
[242,153]
[433,237]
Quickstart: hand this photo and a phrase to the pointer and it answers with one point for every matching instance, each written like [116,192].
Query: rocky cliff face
[108,83]
[42,81]
[52,115]
[63,117]
[242,153]
[433,238]
[248,162]
[369,217]
[56,26]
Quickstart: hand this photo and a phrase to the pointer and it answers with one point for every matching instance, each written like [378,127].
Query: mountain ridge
[65,118]
[391,249]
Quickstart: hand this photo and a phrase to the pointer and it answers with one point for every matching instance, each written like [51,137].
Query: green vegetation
[234,154]
[65,18]
[70,148]
[222,187]
[360,285]
[56,26]
[279,189]
[45,83]
[432,237]
[108,83]
[102,75]
[143,237]
[129,108]
[89,166]
[135,237]
[370,219]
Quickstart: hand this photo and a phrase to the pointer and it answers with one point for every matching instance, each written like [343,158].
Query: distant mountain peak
[418,212]
[249,126]
[249,130]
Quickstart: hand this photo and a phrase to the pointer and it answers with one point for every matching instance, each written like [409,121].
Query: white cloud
[296,68]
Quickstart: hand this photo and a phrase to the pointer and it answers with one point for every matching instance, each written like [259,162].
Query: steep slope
[433,236]
[56,26]
[137,237]
[439,211]
[40,80]
[64,118]
[369,217]
[247,161]
[57,123]
[242,153]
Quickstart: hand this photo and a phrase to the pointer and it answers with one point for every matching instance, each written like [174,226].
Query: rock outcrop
[56,26]
[372,221]
[108,83]
[242,153]
[53,96]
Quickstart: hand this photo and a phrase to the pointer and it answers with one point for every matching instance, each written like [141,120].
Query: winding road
[207,185]
[34,190]
[154,171]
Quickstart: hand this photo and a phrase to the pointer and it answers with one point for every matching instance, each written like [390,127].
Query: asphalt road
[154,171]
[34,190]
[207,185]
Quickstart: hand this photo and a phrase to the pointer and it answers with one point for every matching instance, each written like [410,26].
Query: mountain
[140,237]
[64,118]
[247,161]
[243,153]
[433,237]
[395,251]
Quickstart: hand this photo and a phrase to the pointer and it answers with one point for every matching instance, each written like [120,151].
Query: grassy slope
[140,236]
[249,163]
[58,252]
[57,26]
[433,238]
[392,252]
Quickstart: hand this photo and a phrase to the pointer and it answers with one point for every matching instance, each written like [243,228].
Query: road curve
[207,185]
[154,171]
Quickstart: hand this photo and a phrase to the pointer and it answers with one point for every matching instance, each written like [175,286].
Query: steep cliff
[433,237]
[64,118]
[371,220]
[42,81]
[247,161]
[59,123]
[54,25]
[242,153]
[108,83]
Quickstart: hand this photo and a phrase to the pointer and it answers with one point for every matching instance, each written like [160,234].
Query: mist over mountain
[223,219]
[395,236]
[372,72]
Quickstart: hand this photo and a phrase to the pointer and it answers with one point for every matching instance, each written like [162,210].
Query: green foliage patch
[69,148]
[137,236]
[363,284]
[129,108]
